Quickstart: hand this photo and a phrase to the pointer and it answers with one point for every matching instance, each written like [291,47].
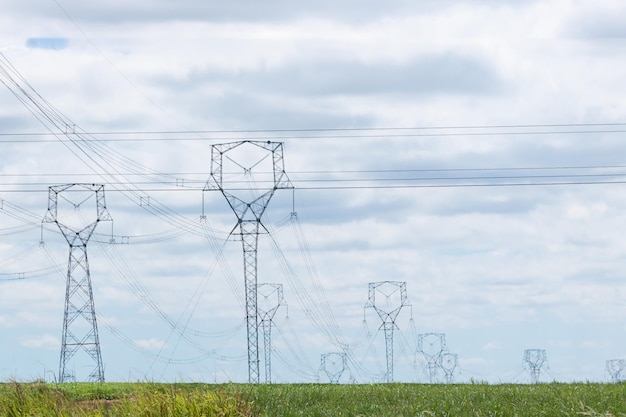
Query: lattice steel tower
[334,364]
[534,359]
[615,367]
[80,330]
[232,165]
[270,298]
[449,362]
[391,298]
[432,346]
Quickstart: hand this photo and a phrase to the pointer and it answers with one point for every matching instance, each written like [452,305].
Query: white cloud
[150,344]
[46,342]
[492,346]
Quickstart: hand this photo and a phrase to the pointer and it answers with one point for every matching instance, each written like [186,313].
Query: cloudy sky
[472,150]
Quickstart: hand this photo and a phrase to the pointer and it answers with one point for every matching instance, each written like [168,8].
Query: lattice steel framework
[391,299]
[80,330]
[449,362]
[249,212]
[432,346]
[534,360]
[270,298]
[334,364]
[614,367]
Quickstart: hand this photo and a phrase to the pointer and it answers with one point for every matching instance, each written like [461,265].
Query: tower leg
[250,239]
[534,375]
[432,370]
[80,330]
[388,327]
[267,345]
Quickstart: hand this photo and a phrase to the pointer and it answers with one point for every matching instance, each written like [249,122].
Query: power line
[331,129]
[338,171]
[401,186]
[353,183]
[362,187]
[304,137]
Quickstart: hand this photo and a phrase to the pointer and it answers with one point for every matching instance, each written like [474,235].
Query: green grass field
[191,400]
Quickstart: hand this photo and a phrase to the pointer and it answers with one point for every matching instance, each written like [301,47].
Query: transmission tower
[390,300]
[334,364]
[80,330]
[534,359]
[432,346]
[449,362]
[270,298]
[615,367]
[248,203]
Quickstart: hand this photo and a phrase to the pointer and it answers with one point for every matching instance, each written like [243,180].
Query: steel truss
[79,305]
[249,213]
[394,298]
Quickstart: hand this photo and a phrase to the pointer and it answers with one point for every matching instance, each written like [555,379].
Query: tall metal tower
[390,300]
[615,367]
[534,359]
[432,346]
[270,298]
[80,330]
[334,364]
[449,362]
[232,166]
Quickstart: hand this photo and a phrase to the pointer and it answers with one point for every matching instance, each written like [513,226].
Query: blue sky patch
[47,43]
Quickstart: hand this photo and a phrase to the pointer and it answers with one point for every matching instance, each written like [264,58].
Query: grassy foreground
[191,400]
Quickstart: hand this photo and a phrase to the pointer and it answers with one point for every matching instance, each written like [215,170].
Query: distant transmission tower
[449,362]
[390,300]
[432,346]
[232,165]
[534,359]
[270,298]
[334,364]
[80,330]
[615,367]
